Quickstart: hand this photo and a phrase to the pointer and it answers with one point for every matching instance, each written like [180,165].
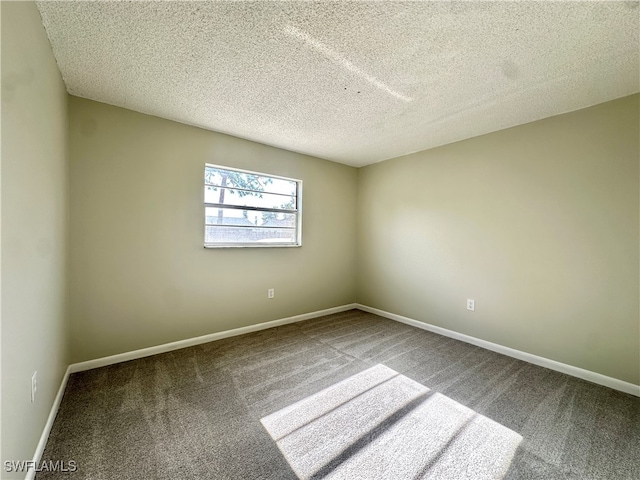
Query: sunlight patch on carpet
[380,424]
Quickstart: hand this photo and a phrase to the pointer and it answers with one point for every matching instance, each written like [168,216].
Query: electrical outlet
[471,305]
[34,385]
[271,293]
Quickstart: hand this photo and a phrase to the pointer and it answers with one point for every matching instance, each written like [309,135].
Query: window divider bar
[266,227]
[253,209]
[294,195]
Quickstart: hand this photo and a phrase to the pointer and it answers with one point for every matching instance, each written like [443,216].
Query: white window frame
[297,211]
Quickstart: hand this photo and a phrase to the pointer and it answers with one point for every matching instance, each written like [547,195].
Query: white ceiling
[352,82]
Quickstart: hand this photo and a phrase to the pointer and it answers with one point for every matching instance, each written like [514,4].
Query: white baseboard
[47,427]
[189,342]
[527,357]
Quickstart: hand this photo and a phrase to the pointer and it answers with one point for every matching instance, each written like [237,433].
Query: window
[249,209]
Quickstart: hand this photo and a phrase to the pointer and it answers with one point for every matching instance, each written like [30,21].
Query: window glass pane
[228,196]
[248,181]
[247,218]
[250,209]
[251,235]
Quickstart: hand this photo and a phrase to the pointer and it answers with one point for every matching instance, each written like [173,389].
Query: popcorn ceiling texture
[355,83]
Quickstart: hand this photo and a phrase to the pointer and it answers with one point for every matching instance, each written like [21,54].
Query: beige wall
[34,229]
[537,223]
[139,273]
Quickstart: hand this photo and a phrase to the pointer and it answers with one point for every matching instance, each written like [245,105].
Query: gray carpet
[210,411]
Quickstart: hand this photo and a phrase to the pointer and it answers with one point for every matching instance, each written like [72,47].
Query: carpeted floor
[210,411]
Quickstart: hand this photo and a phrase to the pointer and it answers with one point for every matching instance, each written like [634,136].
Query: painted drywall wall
[139,274]
[538,224]
[34,229]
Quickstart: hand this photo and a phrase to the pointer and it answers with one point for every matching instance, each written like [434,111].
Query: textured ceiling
[352,82]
